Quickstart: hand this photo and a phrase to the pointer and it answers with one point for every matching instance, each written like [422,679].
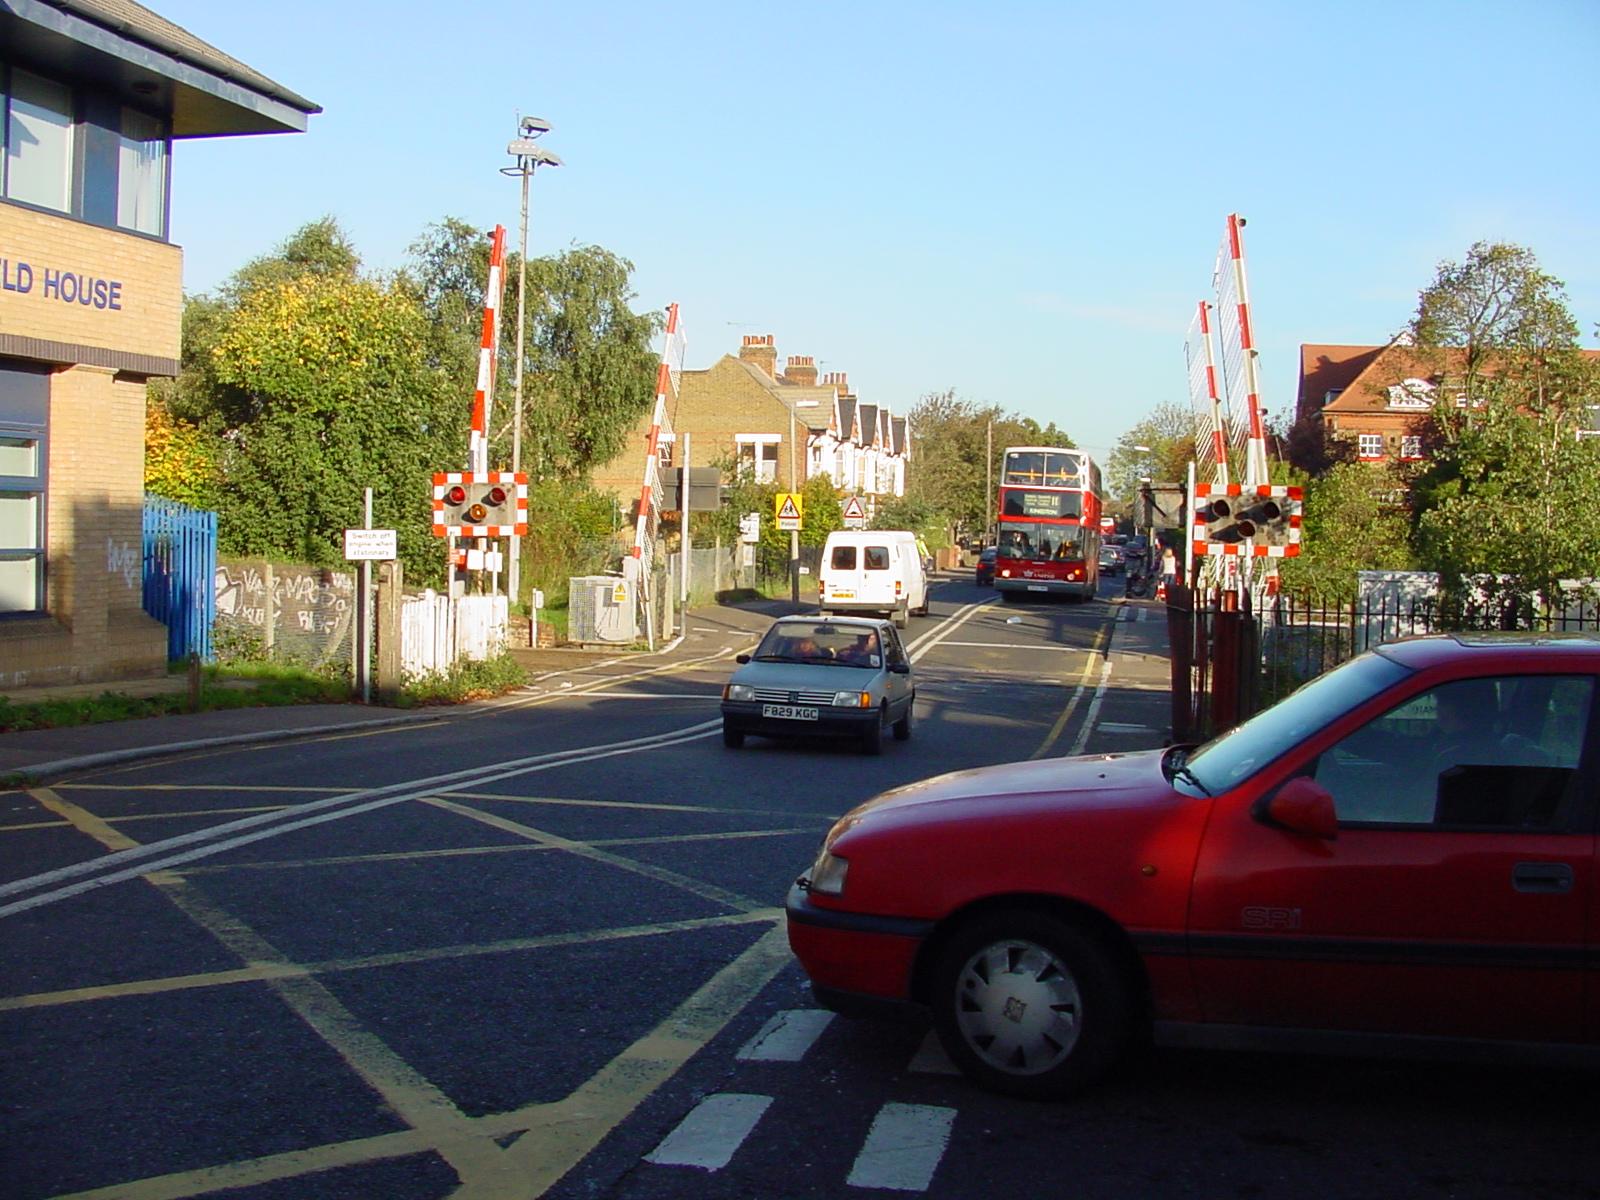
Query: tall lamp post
[530,156]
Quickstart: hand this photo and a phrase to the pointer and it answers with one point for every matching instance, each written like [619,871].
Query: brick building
[1371,395]
[782,426]
[93,94]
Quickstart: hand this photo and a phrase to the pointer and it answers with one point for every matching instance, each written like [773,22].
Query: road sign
[480,504]
[370,545]
[790,508]
[855,513]
[750,527]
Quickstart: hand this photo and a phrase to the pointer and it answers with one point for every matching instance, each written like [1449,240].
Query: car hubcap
[1017,1006]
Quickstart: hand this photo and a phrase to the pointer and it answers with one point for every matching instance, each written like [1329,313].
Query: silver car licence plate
[1037,587]
[789,712]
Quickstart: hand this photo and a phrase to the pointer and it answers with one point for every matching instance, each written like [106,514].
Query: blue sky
[1019,201]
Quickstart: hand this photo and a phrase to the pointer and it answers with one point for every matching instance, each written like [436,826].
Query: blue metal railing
[180,567]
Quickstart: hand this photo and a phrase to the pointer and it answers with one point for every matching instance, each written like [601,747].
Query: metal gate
[180,565]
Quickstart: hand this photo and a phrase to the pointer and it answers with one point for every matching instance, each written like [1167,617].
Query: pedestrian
[1169,567]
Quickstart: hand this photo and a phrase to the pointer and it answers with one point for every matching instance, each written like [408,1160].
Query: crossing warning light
[480,504]
[1257,522]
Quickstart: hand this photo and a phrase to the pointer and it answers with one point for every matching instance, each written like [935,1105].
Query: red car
[1397,858]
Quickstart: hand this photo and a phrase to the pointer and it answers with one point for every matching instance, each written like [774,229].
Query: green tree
[1167,436]
[1355,519]
[312,382]
[589,367]
[1503,502]
[956,455]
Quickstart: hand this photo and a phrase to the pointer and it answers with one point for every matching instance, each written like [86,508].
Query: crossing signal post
[479,505]
[1254,522]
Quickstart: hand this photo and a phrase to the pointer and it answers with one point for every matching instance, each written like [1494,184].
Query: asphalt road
[537,950]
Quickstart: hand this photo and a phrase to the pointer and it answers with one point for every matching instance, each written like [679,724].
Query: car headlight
[738,691]
[827,874]
[852,699]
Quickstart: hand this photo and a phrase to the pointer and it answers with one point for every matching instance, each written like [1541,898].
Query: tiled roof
[139,24]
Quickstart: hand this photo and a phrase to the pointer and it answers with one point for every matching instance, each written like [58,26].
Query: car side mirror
[899,668]
[1301,806]
[741,658]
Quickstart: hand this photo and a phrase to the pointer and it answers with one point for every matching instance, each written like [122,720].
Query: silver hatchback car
[822,677]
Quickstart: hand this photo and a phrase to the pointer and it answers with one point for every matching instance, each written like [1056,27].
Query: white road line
[786,1036]
[270,824]
[1023,646]
[712,1132]
[903,1148]
[934,636]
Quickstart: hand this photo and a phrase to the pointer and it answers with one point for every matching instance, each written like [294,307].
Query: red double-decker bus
[1047,525]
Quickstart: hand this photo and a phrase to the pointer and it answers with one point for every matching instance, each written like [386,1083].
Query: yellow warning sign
[619,593]
[790,508]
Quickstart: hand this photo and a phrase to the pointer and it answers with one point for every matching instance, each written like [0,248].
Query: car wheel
[732,738]
[872,739]
[1030,1006]
[902,615]
[902,727]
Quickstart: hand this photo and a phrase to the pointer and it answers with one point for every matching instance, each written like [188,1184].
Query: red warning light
[455,495]
[496,496]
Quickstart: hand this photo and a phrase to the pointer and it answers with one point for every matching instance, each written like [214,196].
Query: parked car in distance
[1397,858]
[1112,560]
[983,573]
[822,677]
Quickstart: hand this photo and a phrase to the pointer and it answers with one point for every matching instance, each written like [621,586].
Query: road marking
[1102,638]
[254,974]
[560,1135]
[706,891]
[927,641]
[786,1036]
[711,1133]
[903,1147]
[1021,646]
[272,824]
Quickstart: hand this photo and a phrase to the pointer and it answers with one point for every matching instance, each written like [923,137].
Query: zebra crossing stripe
[903,1147]
[711,1133]
[786,1036]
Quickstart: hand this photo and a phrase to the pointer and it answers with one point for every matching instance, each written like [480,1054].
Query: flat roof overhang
[205,97]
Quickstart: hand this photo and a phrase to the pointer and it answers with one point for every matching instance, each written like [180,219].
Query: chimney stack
[759,350]
[802,370]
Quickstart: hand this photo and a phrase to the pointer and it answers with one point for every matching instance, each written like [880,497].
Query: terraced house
[94,94]
[780,427]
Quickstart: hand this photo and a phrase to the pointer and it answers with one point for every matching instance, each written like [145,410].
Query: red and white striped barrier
[488,355]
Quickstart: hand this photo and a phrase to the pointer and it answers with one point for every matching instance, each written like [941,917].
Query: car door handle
[1541,877]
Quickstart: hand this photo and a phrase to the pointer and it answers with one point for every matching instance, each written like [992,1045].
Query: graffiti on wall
[295,612]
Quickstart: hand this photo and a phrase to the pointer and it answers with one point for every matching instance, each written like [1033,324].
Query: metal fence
[277,612]
[180,558]
[1230,660]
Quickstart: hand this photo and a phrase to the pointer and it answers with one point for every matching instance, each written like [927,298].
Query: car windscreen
[828,642]
[1228,760]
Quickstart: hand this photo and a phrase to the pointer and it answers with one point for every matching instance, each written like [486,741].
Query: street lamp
[530,156]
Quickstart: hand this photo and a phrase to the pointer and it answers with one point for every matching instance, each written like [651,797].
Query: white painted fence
[436,632]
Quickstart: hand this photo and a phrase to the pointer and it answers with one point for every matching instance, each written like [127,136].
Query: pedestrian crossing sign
[790,508]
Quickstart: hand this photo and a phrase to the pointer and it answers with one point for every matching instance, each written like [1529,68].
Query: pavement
[40,754]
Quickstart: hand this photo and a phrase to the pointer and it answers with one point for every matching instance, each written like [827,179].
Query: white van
[873,571]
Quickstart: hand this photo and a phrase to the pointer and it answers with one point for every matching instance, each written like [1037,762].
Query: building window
[1369,445]
[24,418]
[758,455]
[39,142]
[1411,446]
[142,173]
